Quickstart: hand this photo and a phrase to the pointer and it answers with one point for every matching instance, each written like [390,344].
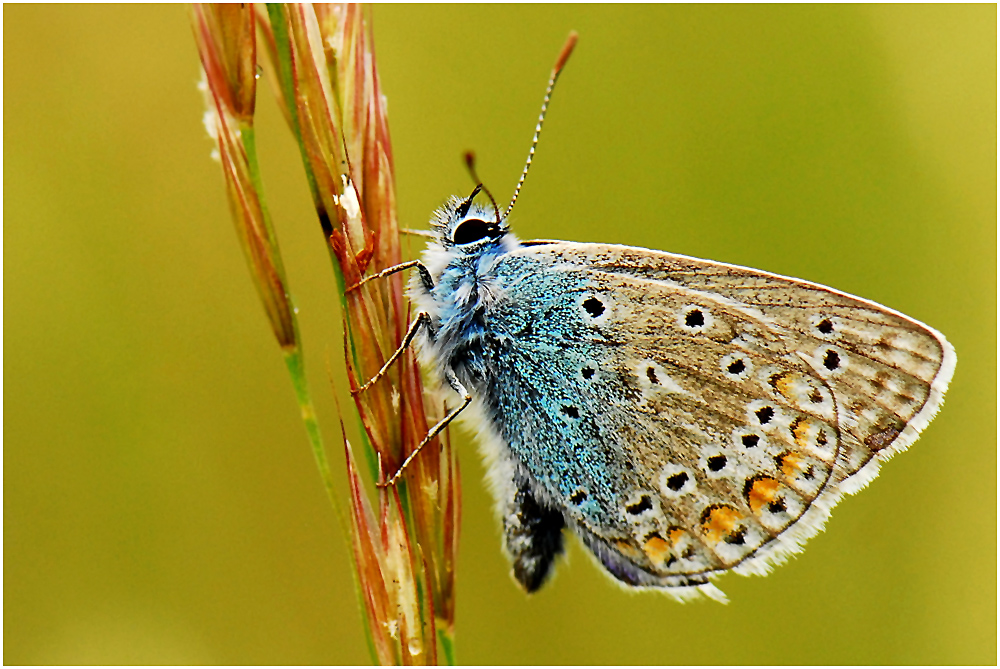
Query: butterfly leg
[441,424]
[425,275]
[422,320]
[533,534]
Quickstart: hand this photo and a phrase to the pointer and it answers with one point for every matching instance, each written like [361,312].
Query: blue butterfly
[682,417]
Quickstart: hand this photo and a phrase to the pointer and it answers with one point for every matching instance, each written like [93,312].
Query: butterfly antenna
[560,63]
[470,163]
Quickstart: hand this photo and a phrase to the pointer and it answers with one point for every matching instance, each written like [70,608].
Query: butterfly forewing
[889,371]
[700,416]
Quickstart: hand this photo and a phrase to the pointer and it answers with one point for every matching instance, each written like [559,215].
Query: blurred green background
[163,505]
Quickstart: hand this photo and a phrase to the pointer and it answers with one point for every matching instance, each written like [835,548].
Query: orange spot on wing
[783,384]
[800,431]
[719,521]
[656,549]
[791,464]
[761,492]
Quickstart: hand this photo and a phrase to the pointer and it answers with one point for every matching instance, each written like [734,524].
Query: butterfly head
[466,226]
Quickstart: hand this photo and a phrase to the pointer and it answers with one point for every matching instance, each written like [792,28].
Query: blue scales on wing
[600,428]
[679,432]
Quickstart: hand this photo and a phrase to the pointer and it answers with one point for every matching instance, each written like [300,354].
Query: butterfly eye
[473,230]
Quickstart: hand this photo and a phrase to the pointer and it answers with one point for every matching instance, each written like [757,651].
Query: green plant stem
[293,354]
[447,646]
[248,136]
[296,369]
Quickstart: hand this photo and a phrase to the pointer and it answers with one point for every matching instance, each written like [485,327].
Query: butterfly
[682,417]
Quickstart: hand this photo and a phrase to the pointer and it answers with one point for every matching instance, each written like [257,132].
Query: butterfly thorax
[466,289]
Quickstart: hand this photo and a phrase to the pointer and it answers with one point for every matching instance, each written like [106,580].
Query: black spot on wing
[677,481]
[644,504]
[694,318]
[593,306]
[764,415]
[717,462]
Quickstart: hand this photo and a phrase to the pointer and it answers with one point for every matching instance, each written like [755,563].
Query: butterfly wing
[691,417]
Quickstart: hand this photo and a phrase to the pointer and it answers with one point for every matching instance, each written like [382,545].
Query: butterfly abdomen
[533,536]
